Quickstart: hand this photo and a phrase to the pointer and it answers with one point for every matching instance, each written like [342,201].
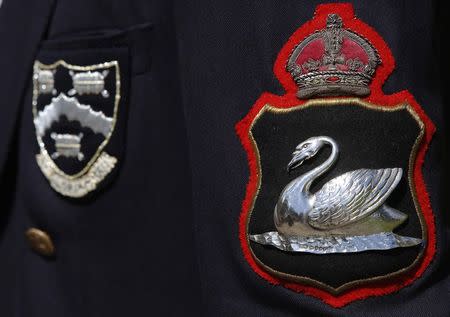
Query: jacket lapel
[22,25]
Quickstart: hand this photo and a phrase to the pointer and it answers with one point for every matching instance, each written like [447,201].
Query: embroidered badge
[74,126]
[336,205]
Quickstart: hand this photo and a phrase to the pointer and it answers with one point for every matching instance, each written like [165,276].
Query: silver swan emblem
[348,214]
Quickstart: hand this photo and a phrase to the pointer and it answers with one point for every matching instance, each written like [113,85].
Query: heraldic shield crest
[336,206]
[75,110]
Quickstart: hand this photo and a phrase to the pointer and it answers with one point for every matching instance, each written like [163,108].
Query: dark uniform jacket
[161,236]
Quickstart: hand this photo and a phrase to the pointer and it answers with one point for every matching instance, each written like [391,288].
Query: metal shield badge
[75,111]
[336,206]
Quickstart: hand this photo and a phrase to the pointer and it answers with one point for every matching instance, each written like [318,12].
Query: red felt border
[371,288]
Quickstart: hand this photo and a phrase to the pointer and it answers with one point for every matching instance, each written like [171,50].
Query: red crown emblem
[333,62]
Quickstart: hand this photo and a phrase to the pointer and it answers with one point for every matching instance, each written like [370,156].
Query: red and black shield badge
[336,206]
[78,120]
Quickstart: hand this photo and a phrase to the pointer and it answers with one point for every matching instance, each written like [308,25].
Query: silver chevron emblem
[73,110]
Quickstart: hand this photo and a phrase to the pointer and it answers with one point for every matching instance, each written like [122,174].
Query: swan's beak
[297,159]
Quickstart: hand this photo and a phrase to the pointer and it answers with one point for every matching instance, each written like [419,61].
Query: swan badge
[348,214]
[336,205]
[74,119]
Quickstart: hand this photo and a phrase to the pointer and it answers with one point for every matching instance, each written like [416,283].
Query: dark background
[63,83]
[366,139]
[163,238]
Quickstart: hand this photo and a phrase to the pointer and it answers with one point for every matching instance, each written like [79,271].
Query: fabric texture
[162,239]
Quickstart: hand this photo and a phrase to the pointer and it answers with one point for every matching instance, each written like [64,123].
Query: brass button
[40,242]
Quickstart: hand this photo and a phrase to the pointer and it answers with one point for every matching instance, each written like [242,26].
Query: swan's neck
[308,178]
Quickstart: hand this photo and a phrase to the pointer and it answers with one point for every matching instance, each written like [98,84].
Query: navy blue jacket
[161,239]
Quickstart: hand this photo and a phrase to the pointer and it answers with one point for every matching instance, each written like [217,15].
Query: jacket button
[40,242]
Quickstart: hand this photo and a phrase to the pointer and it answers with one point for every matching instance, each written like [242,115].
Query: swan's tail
[390,217]
[384,219]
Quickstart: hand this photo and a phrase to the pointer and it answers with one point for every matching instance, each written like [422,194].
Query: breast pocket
[79,104]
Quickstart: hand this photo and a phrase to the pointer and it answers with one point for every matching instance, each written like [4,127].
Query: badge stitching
[101,163]
[412,157]
[376,97]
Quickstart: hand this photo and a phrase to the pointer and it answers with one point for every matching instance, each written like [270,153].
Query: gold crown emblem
[333,61]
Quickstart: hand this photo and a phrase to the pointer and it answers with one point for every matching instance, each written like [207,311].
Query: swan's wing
[352,196]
